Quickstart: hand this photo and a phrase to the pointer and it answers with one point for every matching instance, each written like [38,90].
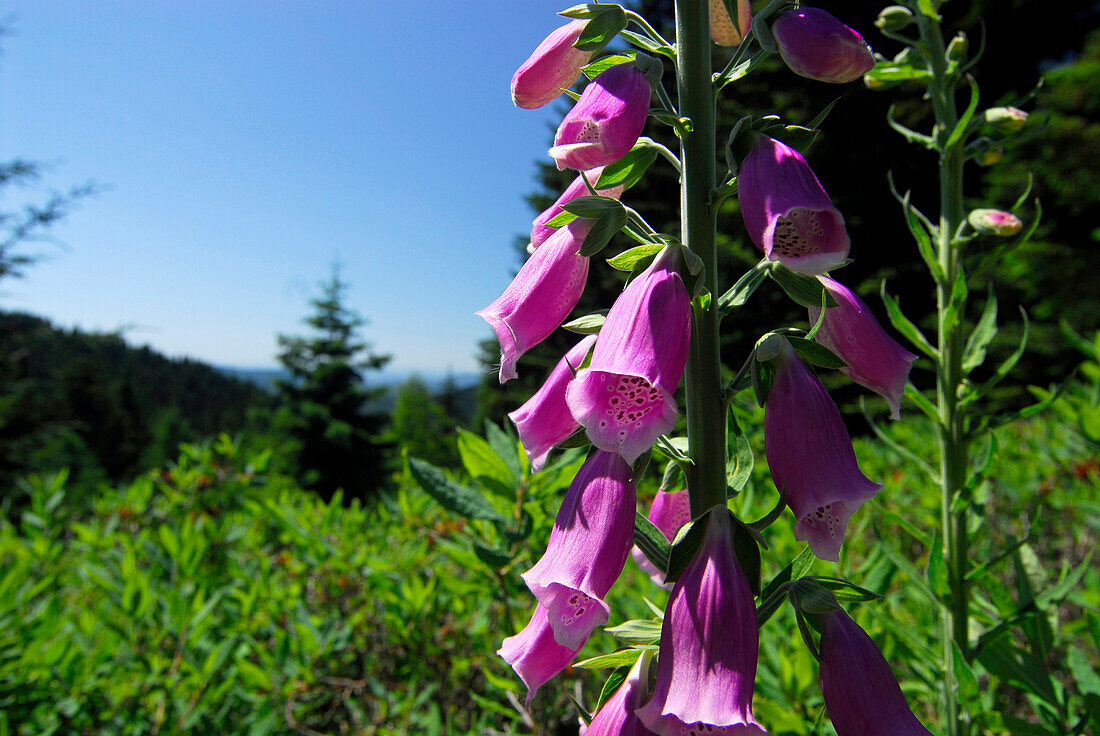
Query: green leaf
[589,324]
[967,681]
[651,541]
[685,545]
[923,232]
[493,556]
[628,170]
[763,374]
[621,658]
[937,569]
[605,227]
[748,555]
[1017,667]
[1084,674]
[956,303]
[740,463]
[629,260]
[602,29]
[561,219]
[815,353]
[902,324]
[983,334]
[481,461]
[966,117]
[505,445]
[637,632]
[847,591]
[452,496]
[601,65]
[740,292]
[591,207]
[1003,369]
[803,290]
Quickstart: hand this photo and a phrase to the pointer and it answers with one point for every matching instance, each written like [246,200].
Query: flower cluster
[620,387]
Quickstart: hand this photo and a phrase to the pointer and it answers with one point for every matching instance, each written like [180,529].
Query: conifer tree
[325,407]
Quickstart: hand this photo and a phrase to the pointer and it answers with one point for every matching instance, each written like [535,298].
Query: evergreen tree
[325,408]
[422,425]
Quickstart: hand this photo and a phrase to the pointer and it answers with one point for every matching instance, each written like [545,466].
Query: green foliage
[335,436]
[421,425]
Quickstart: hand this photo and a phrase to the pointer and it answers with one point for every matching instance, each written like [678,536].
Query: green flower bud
[995,222]
[956,50]
[1005,119]
[990,156]
[894,18]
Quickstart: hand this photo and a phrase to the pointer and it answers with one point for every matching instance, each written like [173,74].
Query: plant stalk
[953,443]
[705,410]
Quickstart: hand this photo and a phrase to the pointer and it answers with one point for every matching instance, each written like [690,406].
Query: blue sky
[245,146]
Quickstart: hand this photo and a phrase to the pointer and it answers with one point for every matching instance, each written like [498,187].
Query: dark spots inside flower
[799,233]
[590,133]
[824,518]
[634,399]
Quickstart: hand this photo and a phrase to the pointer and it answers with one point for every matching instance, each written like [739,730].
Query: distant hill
[70,398]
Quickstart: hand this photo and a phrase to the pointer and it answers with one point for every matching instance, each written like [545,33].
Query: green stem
[953,444]
[705,420]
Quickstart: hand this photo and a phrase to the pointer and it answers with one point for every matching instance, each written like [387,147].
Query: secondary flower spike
[706,665]
[787,212]
[617,716]
[606,121]
[551,69]
[624,399]
[723,29]
[874,359]
[539,298]
[814,44]
[862,695]
[588,546]
[545,420]
[540,232]
[534,654]
[810,456]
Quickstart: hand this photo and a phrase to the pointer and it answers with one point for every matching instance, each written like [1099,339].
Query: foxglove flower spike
[606,121]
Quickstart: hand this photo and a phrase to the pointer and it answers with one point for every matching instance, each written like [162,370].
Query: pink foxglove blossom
[551,69]
[545,420]
[814,44]
[534,653]
[995,222]
[624,399]
[540,232]
[787,212]
[810,456]
[706,665]
[539,298]
[669,512]
[606,121]
[588,546]
[862,695]
[875,360]
[617,716]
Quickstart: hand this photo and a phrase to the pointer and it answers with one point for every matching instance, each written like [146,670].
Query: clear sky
[244,145]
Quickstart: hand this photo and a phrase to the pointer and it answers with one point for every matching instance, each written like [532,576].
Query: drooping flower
[624,399]
[588,545]
[810,456]
[551,69]
[545,420]
[617,716]
[814,44]
[723,30]
[544,291]
[606,121]
[875,360]
[670,511]
[534,653]
[995,222]
[787,212]
[540,232]
[706,664]
[862,695]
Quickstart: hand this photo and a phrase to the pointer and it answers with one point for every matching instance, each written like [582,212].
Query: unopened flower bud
[956,50]
[990,156]
[995,222]
[723,29]
[551,69]
[1005,119]
[894,18]
[816,45]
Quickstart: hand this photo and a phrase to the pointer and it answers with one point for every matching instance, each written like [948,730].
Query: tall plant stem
[950,305]
[705,415]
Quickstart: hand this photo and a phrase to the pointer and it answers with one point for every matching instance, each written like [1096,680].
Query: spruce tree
[325,407]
